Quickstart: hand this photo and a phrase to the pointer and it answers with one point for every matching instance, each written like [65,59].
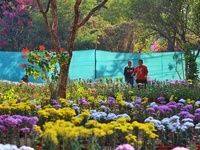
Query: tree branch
[91,13]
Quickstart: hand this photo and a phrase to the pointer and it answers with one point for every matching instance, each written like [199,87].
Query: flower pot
[197,147]
[38,147]
[164,147]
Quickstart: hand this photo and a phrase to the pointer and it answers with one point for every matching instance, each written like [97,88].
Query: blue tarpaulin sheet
[94,64]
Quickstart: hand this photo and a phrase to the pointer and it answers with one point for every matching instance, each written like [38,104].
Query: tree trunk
[63,80]
[170,46]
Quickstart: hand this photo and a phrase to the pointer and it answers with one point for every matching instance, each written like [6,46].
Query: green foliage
[44,64]
[190,63]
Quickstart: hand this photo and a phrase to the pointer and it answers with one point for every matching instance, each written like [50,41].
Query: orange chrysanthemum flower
[25,51]
[38,57]
[23,65]
[62,50]
[52,50]
[48,55]
[24,56]
[41,47]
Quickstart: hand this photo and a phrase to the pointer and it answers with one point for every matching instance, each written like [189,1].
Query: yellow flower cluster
[11,107]
[52,114]
[70,131]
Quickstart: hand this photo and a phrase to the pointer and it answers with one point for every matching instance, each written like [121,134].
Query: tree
[6,5]
[170,19]
[16,25]
[53,31]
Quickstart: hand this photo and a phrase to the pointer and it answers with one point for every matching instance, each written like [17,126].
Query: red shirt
[141,72]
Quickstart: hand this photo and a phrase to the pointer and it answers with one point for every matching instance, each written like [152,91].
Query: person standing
[25,79]
[141,72]
[128,70]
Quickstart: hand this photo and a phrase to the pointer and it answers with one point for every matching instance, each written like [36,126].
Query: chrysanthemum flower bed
[100,115]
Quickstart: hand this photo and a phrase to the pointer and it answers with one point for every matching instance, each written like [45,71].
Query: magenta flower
[83,102]
[125,147]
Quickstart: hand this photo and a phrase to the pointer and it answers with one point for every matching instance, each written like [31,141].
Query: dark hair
[140,60]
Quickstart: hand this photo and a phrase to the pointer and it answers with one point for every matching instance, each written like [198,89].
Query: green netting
[91,64]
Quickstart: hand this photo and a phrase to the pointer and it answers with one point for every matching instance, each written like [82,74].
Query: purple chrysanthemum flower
[138,100]
[186,114]
[163,109]
[138,106]
[54,102]
[150,109]
[187,107]
[10,121]
[2,128]
[161,98]
[57,106]
[171,103]
[179,105]
[25,130]
[19,100]
[154,114]
[197,110]
[111,99]
[172,106]
[197,116]
[33,120]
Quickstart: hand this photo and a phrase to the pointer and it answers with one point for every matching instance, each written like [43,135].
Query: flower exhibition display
[105,114]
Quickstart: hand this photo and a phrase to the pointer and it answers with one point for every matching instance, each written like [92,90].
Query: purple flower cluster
[7,121]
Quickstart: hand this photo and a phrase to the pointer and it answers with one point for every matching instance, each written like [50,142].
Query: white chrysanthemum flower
[8,147]
[174,119]
[153,104]
[187,120]
[165,121]
[101,101]
[123,116]
[26,148]
[103,115]
[149,119]
[93,111]
[102,107]
[111,116]
[96,116]
[70,102]
[182,100]
[76,108]
[197,127]
[130,105]
[197,103]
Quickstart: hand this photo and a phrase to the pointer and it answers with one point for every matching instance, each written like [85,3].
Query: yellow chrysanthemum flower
[51,135]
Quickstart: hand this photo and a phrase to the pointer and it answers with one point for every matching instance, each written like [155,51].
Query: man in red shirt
[141,73]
